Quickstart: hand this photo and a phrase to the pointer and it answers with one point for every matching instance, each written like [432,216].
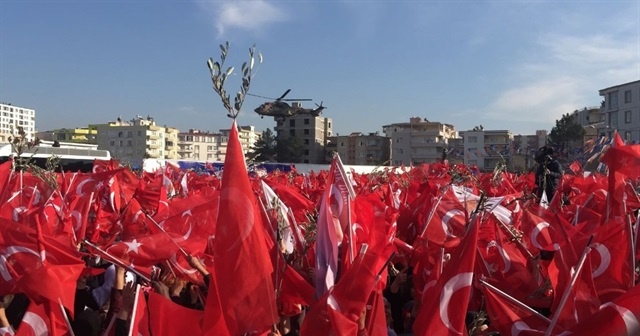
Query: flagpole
[66,318]
[133,311]
[513,300]
[297,235]
[567,292]
[278,281]
[107,331]
[635,243]
[516,239]
[632,255]
[386,264]
[117,261]
[350,228]
[184,253]
[433,211]
[441,259]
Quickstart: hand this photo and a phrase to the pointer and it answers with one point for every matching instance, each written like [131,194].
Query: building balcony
[154,145]
[151,136]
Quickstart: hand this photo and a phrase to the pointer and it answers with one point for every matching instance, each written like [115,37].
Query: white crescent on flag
[605,259]
[454,284]
[8,252]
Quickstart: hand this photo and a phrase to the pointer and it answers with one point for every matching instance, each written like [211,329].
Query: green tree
[566,133]
[265,148]
[289,150]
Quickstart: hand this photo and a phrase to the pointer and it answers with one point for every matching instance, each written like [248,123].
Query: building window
[306,121]
[292,132]
[342,144]
[306,152]
[129,144]
[627,117]
[139,133]
[613,100]
[627,137]
[613,120]
[306,141]
[473,139]
[112,143]
[306,131]
[627,96]
[292,123]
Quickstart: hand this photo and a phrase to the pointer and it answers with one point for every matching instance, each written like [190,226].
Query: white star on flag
[133,246]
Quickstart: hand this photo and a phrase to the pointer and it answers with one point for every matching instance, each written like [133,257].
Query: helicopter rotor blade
[253,95]
[284,94]
[291,99]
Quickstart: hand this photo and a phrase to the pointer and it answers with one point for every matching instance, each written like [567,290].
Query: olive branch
[219,78]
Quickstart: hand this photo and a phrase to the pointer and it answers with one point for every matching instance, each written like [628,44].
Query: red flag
[144,252]
[295,290]
[445,313]
[510,319]
[168,318]
[242,264]
[140,316]
[29,260]
[619,317]
[44,319]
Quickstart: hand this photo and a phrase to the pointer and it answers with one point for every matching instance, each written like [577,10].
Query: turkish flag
[242,265]
[140,315]
[619,317]
[44,319]
[510,319]
[339,308]
[169,318]
[27,261]
[444,313]
[295,290]
[144,251]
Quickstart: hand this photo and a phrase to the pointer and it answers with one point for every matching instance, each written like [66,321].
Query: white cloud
[566,74]
[253,15]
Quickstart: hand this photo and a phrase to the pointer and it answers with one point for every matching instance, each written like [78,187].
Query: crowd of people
[435,250]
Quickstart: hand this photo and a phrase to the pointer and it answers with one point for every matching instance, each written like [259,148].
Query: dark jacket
[548,175]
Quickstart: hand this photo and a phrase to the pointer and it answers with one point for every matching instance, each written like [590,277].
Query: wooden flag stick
[567,292]
[184,253]
[116,261]
[513,300]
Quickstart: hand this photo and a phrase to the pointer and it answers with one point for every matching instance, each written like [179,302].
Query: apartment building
[13,117]
[248,137]
[418,141]
[486,148]
[312,130]
[455,150]
[621,111]
[361,149]
[591,119]
[523,150]
[84,135]
[134,140]
[198,145]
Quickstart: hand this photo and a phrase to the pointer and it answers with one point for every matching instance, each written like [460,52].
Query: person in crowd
[548,172]
[399,293]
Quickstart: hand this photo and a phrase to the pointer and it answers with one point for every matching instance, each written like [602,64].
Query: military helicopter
[279,108]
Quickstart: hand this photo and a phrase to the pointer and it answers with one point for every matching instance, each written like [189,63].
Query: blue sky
[515,65]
